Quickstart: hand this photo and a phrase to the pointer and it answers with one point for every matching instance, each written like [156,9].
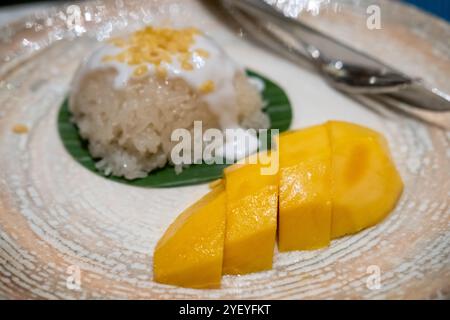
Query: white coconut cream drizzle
[238,144]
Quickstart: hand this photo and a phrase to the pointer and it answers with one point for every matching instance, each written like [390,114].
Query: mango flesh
[304,190]
[297,146]
[190,253]
[365,182]
[251,220]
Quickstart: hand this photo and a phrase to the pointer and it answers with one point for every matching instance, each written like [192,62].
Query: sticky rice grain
[128,130]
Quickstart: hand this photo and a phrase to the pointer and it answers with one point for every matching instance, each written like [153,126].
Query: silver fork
[345,68]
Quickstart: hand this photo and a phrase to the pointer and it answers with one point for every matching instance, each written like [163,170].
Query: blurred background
[440,8]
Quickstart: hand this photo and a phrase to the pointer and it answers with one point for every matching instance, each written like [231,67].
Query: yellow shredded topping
[118,42]
[207,87]
[140,71]
[202,53]
[155,46]
[20,129]
[161,72]
[186,65]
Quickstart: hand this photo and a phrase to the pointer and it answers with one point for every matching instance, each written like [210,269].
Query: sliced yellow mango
[305,206]
[304,190]
[296,146]
[334,179]
[365,183]
[251,219]
[190,254]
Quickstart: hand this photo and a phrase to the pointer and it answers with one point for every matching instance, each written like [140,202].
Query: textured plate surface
[60,223]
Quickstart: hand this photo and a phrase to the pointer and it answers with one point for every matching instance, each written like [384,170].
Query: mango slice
[296,146]
[190,253]
[334,179]
[251,220]
[365,183]
[304,221]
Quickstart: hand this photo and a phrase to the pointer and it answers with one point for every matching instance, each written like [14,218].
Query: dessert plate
[66,232]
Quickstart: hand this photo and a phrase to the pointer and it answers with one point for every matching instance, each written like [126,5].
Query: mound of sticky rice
[133,92]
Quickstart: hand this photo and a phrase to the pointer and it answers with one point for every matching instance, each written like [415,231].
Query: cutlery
[345,68]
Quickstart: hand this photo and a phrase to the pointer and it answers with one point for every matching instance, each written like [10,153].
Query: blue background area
[439,8]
